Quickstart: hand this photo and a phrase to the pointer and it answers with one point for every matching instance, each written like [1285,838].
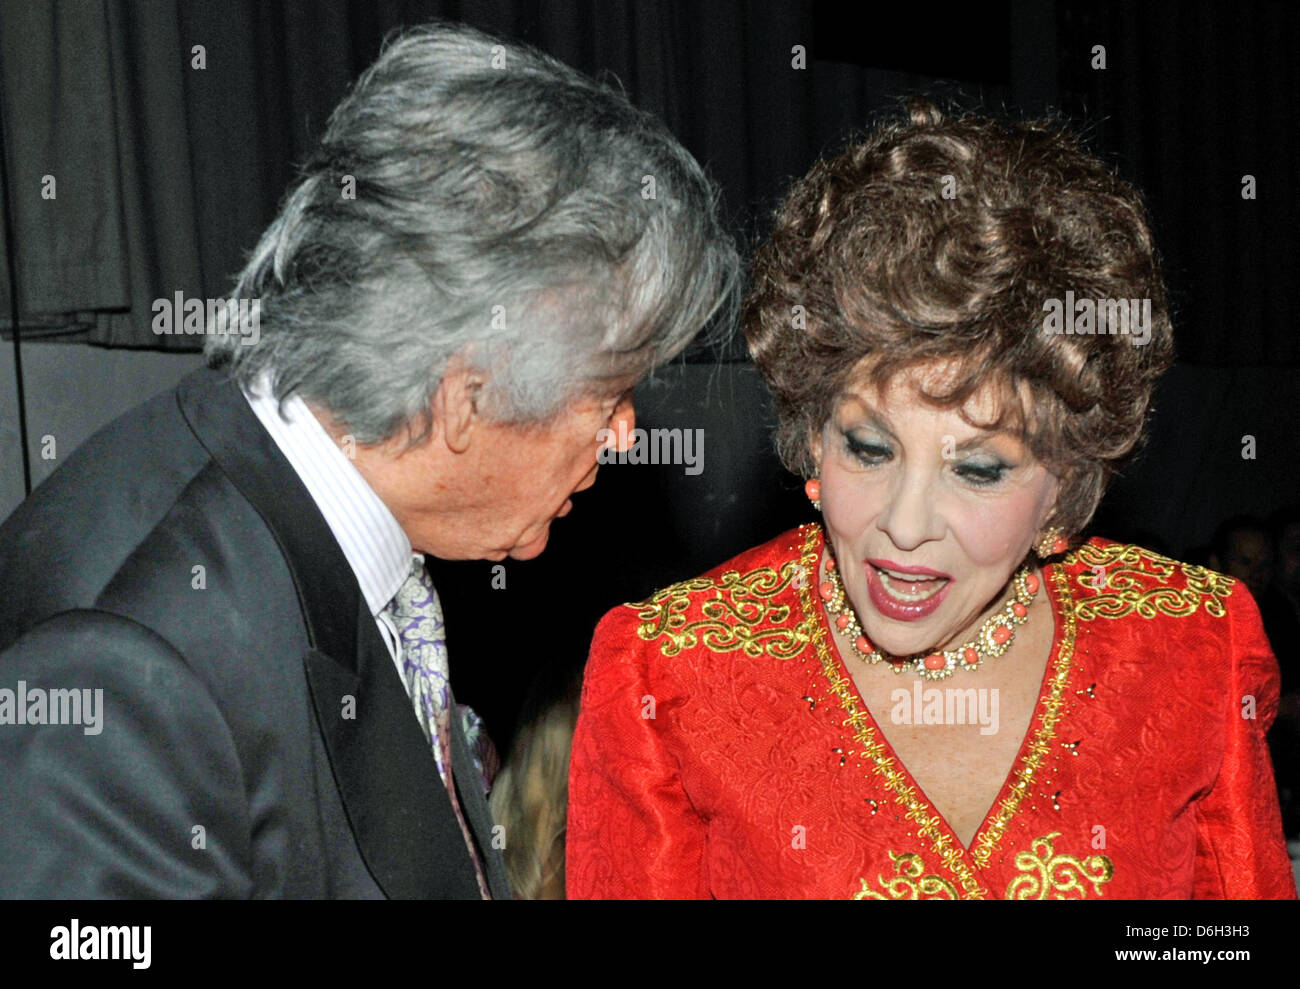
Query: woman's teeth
[910,587]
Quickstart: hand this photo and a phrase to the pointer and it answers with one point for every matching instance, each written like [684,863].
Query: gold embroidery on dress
[1049,875]
[1041,741]
[1045,875]
[1133,580]
[928,825]
[740,614]
[909,882]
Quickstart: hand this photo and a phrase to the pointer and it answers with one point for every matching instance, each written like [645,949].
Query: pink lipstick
[905,594]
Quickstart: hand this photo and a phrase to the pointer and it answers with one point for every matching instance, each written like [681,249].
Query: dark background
[180,169]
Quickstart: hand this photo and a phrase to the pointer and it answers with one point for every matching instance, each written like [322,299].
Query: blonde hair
[530,799]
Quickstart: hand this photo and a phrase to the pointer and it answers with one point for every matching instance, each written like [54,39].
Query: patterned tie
[417,616]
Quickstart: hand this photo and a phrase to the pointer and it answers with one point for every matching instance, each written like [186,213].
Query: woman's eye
[867,452]
[981,474]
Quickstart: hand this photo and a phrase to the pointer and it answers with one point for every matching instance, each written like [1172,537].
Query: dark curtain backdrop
[168,173]
[1194,97]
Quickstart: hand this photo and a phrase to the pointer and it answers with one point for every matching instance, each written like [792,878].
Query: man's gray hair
[478,197]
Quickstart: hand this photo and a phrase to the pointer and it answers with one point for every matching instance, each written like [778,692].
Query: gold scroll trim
[734,612]
[1121,580]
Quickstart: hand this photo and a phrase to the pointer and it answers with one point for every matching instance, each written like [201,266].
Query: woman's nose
[911,519]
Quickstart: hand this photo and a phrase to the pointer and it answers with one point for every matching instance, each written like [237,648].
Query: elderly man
[487,253]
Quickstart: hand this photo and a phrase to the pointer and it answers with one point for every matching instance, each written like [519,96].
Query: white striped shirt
[372,542]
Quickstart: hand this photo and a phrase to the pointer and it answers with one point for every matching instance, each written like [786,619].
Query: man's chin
[531,550]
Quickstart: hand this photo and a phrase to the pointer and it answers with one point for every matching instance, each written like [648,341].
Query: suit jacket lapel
[399,811]
[476,810]
[398,808]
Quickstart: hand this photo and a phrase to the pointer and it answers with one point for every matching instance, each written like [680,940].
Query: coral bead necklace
[993,638]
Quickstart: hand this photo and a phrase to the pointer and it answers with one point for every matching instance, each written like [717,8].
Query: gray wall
[72,390]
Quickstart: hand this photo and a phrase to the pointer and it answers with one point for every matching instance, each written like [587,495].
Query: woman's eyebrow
[978,440]
[981,438]
[873,417]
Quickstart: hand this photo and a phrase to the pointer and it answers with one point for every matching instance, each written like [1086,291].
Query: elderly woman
[456,297]
[942,690]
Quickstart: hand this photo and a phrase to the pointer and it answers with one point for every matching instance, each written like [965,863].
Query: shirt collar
[373,543]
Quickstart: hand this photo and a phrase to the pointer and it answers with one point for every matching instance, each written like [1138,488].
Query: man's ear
[456,404]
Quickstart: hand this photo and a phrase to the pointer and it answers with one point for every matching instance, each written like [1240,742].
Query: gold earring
[1052,543]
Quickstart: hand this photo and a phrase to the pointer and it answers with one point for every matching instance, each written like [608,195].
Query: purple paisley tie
[417,616]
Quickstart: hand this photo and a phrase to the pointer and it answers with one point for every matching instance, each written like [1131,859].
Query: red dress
[723,750]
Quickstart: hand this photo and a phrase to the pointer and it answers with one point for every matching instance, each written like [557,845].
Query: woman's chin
[907,642]
[900,647]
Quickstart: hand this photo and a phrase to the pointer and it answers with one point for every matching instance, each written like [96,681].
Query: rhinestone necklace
[993,638]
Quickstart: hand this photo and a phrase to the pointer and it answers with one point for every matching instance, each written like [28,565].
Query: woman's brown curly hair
[938,240]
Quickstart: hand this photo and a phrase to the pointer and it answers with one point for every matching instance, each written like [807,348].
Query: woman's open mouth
[905,595]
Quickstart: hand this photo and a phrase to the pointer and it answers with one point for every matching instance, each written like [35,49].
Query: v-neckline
[963,860]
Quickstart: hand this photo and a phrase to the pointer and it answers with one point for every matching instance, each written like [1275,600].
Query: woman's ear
[1047,507]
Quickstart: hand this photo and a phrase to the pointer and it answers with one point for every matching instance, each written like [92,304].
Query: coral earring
[813,489]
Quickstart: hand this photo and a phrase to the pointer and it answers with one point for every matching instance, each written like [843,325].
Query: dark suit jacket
[228,764]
